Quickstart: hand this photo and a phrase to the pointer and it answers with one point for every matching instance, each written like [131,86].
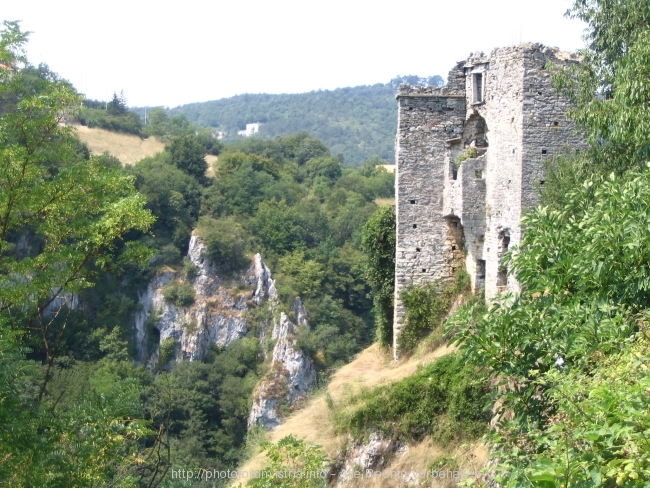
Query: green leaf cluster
[294,463]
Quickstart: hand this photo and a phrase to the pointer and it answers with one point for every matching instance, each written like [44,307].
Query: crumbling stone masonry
[469,161]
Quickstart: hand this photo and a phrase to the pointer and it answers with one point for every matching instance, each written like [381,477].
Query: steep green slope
[357,122]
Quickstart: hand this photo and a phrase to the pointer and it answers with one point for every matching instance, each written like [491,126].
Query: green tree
[610,90]
[76,213]
[188,154]
[379,248]
[117,106]
[226,240]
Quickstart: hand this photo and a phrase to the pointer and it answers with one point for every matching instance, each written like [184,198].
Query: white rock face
[291,374]
[216,317]
[373,454]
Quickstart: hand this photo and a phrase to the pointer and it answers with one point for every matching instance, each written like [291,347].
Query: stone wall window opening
[504,241]
[412,202]
[480,269]
[417,249]
[415,226]
[477,84]
[502,279]
[544,151]
[454,174]
[478,174]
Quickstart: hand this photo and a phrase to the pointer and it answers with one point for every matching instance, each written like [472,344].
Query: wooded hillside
[357,122]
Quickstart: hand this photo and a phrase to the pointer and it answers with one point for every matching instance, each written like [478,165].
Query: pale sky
[189,51]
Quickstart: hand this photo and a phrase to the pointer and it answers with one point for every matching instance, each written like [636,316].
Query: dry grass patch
[128,148]
[212,163]
[425,456]
[372,367]
[385,201]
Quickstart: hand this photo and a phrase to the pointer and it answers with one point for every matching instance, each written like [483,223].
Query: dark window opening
[412,202]
[478,87]
[539,92]
[544,151]
[424,270]
[415,226]
[541,182]
[479,174]
[502,277]
[453,248]
[417,249]
[555,124]
[454,175]
[480,269]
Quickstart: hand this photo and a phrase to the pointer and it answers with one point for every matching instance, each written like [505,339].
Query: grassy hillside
[372,369]
[356,122]
[127,148]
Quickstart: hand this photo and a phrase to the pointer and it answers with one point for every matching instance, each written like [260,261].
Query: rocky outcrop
[217,315]
[291,373]
[374,454]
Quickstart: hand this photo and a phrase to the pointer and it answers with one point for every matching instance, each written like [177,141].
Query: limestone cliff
[217,315]
[291,373]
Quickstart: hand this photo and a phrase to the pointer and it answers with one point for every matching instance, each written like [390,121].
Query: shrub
[178,293]
[596,434]
[167,351]
[469,153]
[226,241]
[445,399]
[426,308]
[294,455]
[190,270]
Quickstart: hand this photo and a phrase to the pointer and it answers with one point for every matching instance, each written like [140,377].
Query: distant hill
[356,122]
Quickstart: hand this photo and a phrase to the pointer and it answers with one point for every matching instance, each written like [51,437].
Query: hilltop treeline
[357,122]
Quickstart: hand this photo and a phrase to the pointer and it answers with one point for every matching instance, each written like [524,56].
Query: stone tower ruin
[469,161]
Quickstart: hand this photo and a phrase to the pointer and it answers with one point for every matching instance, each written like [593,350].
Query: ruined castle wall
[546,129]
[505,109]
[472,212]
[426,120]
[502,110]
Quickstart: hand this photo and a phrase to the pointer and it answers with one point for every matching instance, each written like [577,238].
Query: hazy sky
[189,51]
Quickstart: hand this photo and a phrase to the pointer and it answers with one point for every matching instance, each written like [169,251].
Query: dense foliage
[426,308]
[113,116]
[445,399]
[294,463]
[356,123]
[378,243]
[65,217]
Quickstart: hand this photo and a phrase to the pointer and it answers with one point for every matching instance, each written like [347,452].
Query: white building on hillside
[250,130]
